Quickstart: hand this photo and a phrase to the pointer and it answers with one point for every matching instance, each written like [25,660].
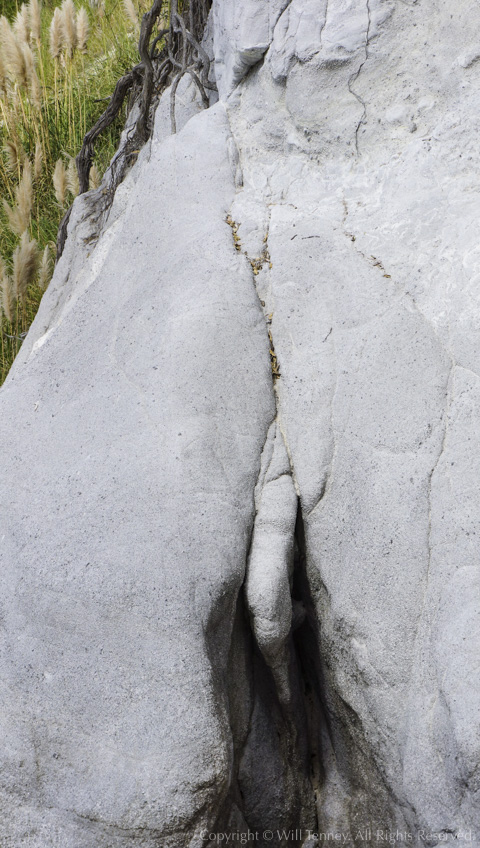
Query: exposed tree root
[180,53]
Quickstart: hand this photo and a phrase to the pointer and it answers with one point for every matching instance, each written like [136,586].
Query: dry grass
[19,214]
[57,38]
[25,265]
[35,20]
[45,268]
[60,183]
[83,29]
[130,12]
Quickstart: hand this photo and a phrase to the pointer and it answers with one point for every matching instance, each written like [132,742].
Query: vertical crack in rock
[285,679]
[354,77]
[307,650]
[258,264]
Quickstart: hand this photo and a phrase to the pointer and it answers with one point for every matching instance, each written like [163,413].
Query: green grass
[73,94]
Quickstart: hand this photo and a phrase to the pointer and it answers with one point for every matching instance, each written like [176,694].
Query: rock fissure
[257,263]
[296,700]
[278,599]
[354,77]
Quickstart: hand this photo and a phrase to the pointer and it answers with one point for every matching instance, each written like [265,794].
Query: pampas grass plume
[12,53]
[130,12]
[29,60]
[56,34]
[60,182]
[82,29]
[25,264]
[31,73]
[35,20]
[6,290]
[21,26]
[95,177]
[73,184]
[19,215]
[69,26]
[4,25]
[45,271]
[15,154]
[35,90]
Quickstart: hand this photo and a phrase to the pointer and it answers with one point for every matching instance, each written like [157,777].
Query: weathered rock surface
[169,511]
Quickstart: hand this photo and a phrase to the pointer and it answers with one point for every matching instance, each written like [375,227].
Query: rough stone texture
[243,32]
[372,237]
[143,699]
[148,403]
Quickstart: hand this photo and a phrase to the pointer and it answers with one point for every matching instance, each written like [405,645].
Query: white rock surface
[142,432]
[130,507]
[372,197]
[243,31]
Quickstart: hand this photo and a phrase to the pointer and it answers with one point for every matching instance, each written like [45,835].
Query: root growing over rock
[165,58]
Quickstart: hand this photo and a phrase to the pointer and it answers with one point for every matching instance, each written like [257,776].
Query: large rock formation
[241,459]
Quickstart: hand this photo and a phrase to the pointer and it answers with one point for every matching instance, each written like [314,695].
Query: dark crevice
[306,642]
[278,769]
[270,783]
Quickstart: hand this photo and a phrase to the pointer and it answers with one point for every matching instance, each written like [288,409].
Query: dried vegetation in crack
[279,604]
[257,264]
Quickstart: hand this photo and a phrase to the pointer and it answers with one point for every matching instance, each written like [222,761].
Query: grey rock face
[106,666]
[232,601]
[243,32]
[375,346]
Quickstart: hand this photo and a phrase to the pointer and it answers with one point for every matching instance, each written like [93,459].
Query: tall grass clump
[59,63]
